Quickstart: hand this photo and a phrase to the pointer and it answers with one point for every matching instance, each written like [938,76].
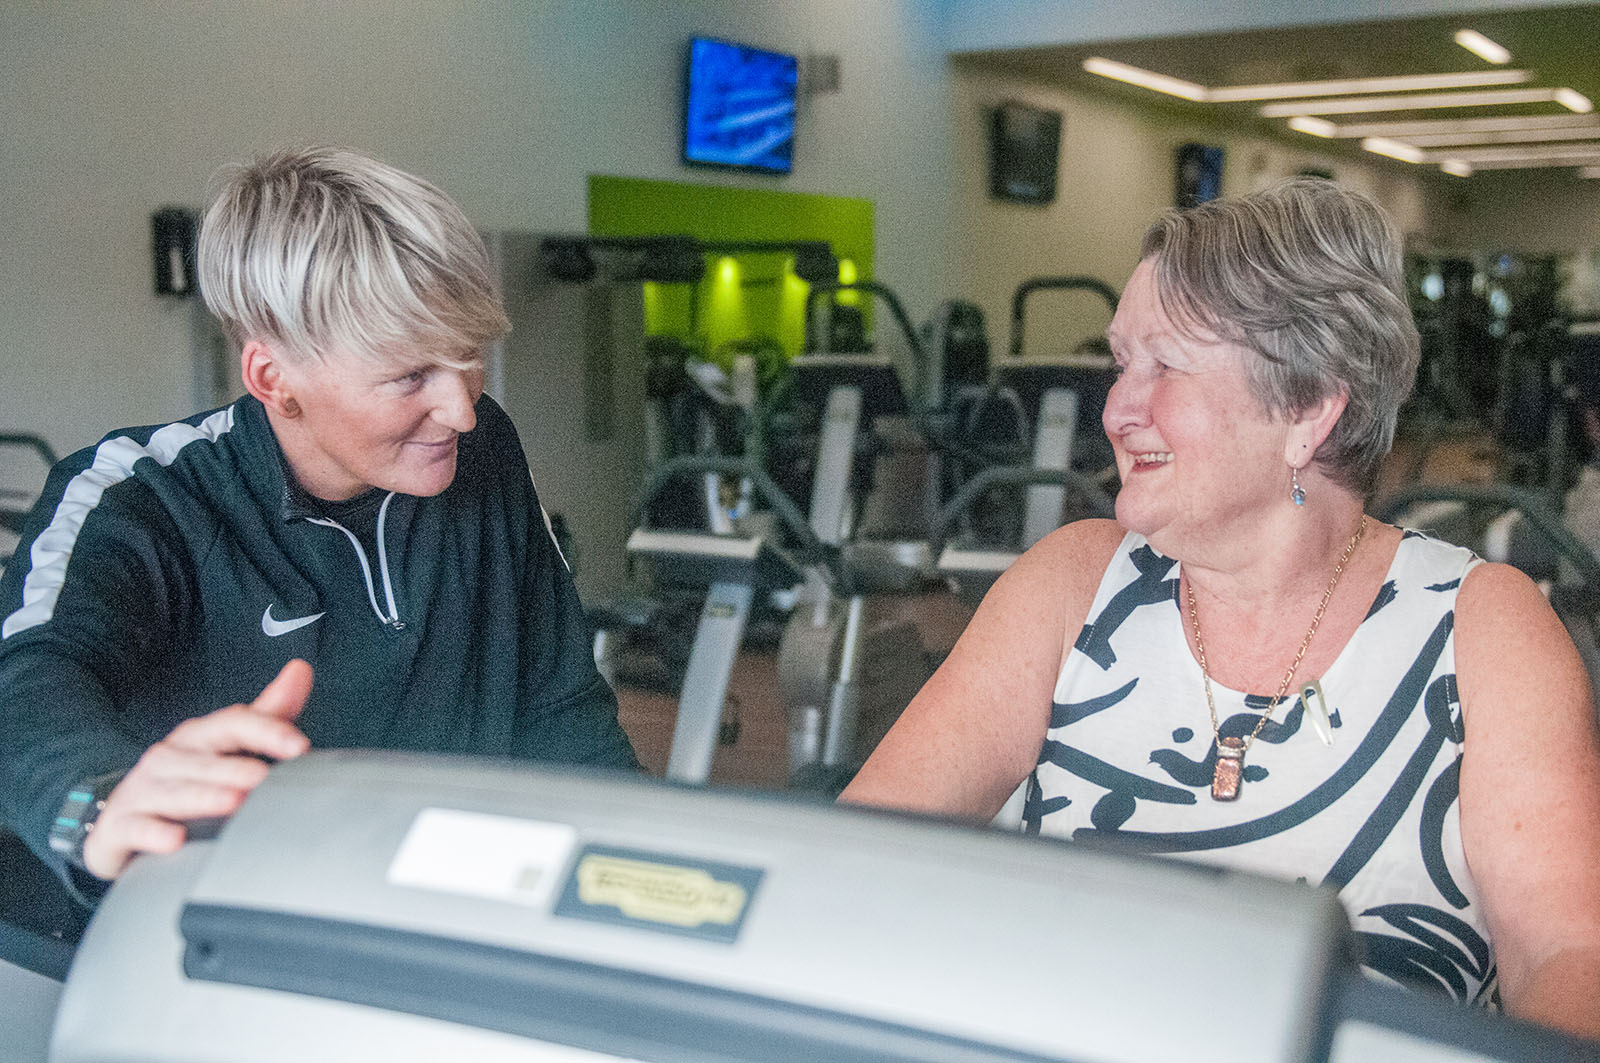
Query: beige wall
[1525,210]
[1117,175]
[113,108]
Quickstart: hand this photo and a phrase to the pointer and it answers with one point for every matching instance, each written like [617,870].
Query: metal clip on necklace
[1229,772]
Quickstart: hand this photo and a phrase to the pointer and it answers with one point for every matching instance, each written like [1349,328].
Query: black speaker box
[173,233]
[1024,152]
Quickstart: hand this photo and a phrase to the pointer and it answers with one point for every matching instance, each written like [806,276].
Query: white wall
[116,107]
[1116,176]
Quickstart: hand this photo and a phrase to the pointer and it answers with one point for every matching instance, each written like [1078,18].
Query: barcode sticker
[474,853]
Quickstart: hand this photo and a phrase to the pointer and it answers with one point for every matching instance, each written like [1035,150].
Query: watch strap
[78,813]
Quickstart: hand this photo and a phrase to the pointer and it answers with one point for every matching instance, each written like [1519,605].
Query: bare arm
[1530,797]
[973,732]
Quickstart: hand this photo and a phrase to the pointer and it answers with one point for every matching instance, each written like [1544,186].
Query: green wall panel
[742,296]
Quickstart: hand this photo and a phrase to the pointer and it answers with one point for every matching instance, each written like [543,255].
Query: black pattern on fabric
[1062,715]
[1376,813]
[1386,594]
[1444,792]
[1438,951]
[1438,705]
[1371,747]
[1151,588]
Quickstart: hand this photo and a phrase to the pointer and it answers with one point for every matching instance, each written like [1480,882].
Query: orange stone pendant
[1229,771]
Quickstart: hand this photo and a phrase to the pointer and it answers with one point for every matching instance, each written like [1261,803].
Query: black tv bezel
[683,125]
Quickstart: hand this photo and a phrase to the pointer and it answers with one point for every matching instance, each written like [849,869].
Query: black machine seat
[813,376]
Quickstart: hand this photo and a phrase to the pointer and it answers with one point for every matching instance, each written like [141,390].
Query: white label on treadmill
[518,860]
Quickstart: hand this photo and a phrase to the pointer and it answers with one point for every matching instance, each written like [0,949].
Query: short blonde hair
[324,251]
[1309,276]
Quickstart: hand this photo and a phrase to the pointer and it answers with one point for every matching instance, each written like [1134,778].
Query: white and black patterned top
[1129,754]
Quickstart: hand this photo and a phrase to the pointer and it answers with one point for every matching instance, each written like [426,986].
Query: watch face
[78,813]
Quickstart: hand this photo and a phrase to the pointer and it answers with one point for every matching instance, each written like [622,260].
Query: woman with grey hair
[364,513]
[1246,669]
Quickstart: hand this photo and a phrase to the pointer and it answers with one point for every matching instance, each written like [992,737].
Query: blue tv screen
[739,107]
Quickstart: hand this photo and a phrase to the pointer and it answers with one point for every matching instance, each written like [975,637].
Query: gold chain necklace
[1229,772]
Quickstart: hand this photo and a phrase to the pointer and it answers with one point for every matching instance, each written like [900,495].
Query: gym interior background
[546,117]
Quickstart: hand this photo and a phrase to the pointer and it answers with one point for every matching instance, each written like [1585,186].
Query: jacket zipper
[392,618]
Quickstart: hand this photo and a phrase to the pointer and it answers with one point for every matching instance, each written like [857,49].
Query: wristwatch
[78,814]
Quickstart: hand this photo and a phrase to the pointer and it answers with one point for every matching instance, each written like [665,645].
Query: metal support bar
[1052,449]
[705,681]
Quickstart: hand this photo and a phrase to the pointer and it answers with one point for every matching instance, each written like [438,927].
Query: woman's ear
[263,371]
[1309,427]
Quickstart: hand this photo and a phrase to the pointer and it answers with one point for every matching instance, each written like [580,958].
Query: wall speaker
[173,231]
[1024,153]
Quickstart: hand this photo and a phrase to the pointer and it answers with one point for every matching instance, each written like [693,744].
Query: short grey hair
[323,250]
[1309,276]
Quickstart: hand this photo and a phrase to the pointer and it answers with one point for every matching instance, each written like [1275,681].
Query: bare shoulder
[1050,588]
[1071,560]
[1495,600]
[1508,635]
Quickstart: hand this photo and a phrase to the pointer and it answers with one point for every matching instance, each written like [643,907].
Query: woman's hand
[204,768]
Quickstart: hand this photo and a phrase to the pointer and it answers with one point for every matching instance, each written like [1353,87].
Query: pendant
[1229,771]
[1316,710]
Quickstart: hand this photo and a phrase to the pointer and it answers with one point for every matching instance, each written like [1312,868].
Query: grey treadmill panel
[28,1001]
[1376,1022]
[870,935]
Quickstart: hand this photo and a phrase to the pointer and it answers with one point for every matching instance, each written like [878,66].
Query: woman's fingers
[204,768]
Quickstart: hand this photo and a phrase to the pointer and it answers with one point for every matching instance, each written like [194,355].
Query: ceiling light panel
[1394,149]
[1427,126]
[1352,86]
[1317,127]
[1146,79]
[1574,101]
[1421,102]
[1536,164]
[1456,168]
[1484,155]
[1482,47]
[1504,136]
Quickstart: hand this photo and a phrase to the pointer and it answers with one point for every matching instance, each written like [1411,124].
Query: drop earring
[1296,492]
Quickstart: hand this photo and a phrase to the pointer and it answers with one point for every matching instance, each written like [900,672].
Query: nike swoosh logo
[273,628]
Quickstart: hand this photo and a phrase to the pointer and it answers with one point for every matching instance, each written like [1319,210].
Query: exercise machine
[388,906]
[1035,426]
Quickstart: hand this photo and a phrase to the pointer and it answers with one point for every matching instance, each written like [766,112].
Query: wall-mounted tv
[739,106]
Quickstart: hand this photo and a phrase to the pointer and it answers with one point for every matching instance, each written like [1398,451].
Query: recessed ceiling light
[1574,101]
[1317,127]
[1146,79]
[1548,151]
[1198,93]
[1456,168]
[1394,149]
[1482,47]
[1425,126]
[1536,164]
[1351,86]
[1503,136]
[1422,102]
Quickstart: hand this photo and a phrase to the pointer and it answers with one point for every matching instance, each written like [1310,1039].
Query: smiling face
[1200,460]
[356,424]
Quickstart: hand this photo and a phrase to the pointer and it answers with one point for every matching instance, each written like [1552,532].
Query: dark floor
[758,755]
